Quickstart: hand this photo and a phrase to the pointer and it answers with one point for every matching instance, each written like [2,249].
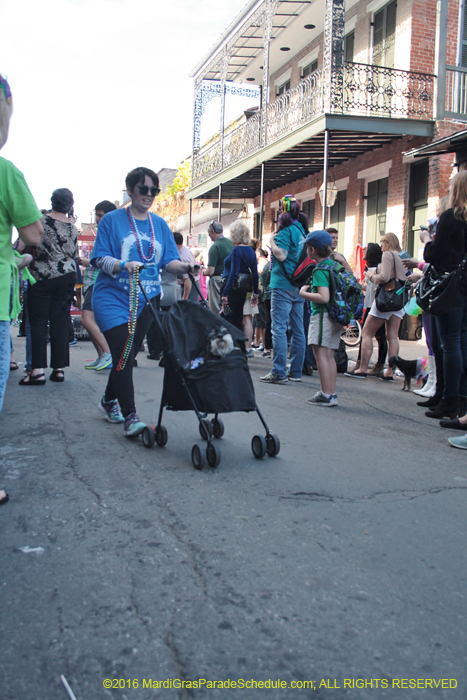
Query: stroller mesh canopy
[186,331]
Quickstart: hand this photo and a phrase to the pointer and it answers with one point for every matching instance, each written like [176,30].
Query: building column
[333,56]
[267,22]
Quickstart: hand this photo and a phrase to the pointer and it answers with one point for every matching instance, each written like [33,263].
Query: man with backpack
[286,302]
[335,298]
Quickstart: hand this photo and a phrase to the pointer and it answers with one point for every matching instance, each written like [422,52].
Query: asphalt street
[339,562]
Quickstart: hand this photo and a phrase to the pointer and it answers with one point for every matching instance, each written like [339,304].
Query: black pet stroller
[196,380]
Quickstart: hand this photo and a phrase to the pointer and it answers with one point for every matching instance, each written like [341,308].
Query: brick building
[340,91]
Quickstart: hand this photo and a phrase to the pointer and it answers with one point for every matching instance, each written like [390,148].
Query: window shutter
[464,38]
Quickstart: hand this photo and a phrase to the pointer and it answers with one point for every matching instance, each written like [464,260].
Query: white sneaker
[105,362]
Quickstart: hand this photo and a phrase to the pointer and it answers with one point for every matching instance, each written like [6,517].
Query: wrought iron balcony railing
[456,93]
[367,90]
[387,92]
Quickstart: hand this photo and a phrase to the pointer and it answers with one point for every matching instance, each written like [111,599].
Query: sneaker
[258,348]
[133,426]
[93,365]
[272,378]
[250,353]
[74,342]
[266,353]
[320,400]
[111,410]
[293,379]
[105,362]
[460,442]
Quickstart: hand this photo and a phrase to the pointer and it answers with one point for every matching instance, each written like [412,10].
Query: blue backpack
[346,295]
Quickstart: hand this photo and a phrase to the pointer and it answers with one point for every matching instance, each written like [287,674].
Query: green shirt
[220,249]
[320,278]
[17,208]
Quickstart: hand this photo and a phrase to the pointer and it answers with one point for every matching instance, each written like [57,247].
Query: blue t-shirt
[115,237]
[291,239]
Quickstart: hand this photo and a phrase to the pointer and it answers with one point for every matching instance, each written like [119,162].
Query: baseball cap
[318,239]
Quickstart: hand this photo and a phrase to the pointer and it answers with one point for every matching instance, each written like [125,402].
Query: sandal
[13,365]
[58,375]
[33,380]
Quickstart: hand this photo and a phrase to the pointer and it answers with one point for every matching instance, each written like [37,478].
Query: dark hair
[62,200]
[294,210]
[304,221]
[373,254]
[254,243]
[137,177]
[284,220]
[331,230]
[178,238]
[323,252]
[105,206]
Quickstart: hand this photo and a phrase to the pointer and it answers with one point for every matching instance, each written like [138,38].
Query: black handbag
[392,296]
[435,293]
[244,281]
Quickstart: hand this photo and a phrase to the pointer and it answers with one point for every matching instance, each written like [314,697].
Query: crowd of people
[293,323]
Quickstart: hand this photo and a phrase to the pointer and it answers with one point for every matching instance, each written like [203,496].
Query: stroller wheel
[258,446]
[213,455]
[197,457]
[273,444]
[205,428]
[217,427]
[161,435]
[148,436]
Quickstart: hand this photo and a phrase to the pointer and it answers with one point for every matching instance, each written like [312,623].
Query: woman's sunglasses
[144,189]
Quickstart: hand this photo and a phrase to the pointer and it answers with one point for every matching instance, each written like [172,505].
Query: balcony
[364,91]
[456,93]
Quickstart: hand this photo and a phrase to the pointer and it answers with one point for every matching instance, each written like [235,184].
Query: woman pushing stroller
[126,240]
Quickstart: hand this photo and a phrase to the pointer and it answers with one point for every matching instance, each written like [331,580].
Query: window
[377,203]
[258,233]
[310,68]
[283,88]
[384,36]
[308,208]
[349,44]
[418,204]
[463,37]
[337,218]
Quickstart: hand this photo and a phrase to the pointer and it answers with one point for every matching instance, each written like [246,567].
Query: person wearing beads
[126,239]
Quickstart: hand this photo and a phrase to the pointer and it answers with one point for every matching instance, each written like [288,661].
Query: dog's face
[221,345]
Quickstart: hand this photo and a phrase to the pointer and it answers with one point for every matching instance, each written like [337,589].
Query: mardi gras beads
[139,243]
[134,282]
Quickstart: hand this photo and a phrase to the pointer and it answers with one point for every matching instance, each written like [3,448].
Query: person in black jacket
[445,253]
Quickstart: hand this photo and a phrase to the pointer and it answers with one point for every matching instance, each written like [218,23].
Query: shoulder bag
[435,293]
[244,281]
[391,296]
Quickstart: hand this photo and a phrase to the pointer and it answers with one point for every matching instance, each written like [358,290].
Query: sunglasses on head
[144,189]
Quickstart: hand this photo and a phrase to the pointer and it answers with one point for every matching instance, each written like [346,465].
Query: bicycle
[352,333]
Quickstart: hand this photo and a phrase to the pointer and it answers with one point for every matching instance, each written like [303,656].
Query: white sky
[100,87]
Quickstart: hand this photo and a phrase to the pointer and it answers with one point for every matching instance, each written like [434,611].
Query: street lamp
[329,191]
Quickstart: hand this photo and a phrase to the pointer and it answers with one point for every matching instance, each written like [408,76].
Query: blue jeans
[5,348]
[287,310]
[452,332]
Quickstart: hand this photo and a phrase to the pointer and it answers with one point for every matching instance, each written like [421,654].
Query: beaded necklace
[139,243]
[134,282]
